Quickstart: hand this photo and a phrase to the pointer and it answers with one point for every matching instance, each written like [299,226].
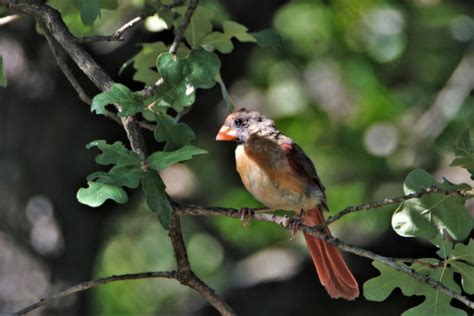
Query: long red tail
[332,270]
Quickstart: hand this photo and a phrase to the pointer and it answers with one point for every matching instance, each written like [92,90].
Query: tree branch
[184,273]
[51,19]
[398,200]
[117,35]
[284,222]
[179,34]
[62,63]
[91,284]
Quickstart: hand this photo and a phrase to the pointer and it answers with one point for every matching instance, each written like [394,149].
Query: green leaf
[199,26]
[108,4]
[219,41]
[130,102]
[156,197]
[126,176]
[97,193]
[379,288]
[436,303]
[175,135]
[115,154]
[464,151]
[464,252]
[223,41]
[147,76]
[146,58]
[467,275]
[90,10]
[3,78]
[163,159]
[182,76]
[268,38]
[234,29]
[462,262]
[225,95]
[431,214]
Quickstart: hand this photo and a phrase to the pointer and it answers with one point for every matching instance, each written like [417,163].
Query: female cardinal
[277,172]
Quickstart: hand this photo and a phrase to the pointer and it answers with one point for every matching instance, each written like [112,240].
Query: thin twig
[148,91]
[398,200]
[184,273]
[182,27]
[9,18]
[91,284]
[61,61]
[117,35]
[440,264]
[284,221]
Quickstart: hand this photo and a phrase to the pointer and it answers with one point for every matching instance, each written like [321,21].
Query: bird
[278,173]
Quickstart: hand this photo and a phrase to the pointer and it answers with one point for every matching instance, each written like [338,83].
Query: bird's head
[242,124]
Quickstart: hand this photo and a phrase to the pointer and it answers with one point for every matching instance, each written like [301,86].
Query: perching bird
[277,172]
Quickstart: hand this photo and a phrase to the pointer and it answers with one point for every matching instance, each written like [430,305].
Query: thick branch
[90,284]
[184,273]
[284,221]
[51,19]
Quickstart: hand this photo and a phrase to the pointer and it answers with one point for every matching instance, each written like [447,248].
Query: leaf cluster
[433,217]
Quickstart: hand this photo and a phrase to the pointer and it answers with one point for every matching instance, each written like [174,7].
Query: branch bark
[91,284]
[117,35]
[59,36]
[285,221]
[184,273]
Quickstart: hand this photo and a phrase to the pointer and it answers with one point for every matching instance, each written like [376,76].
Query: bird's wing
[303,166]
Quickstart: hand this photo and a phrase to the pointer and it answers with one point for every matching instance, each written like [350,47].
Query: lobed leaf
[156,197]
[199,26]
[115,154]
[175,135]
[125,176]
[222,41]
[161,159]
[268,38]
[129,101]
[430,215]
[182,76]
[98,192]
[379,288]
[436,303]
[464,151]
[462,262]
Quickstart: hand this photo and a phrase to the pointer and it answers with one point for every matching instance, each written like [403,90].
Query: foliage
[359,67]
[431,217]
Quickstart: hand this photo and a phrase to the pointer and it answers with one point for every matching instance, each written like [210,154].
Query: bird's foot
[294,223]
[245,216]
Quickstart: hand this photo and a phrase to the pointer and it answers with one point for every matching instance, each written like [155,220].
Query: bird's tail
[332,270]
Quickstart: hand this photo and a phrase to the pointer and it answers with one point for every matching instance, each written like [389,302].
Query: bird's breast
[267,178]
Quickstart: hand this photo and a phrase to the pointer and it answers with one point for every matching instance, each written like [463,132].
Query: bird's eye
[238,122]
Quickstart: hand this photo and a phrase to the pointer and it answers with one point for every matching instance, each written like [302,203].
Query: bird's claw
[245,216]
[294,223]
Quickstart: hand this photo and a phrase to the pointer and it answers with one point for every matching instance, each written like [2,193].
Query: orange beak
[226,133]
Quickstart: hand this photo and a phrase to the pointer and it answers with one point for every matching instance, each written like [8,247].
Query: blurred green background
[369,89]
